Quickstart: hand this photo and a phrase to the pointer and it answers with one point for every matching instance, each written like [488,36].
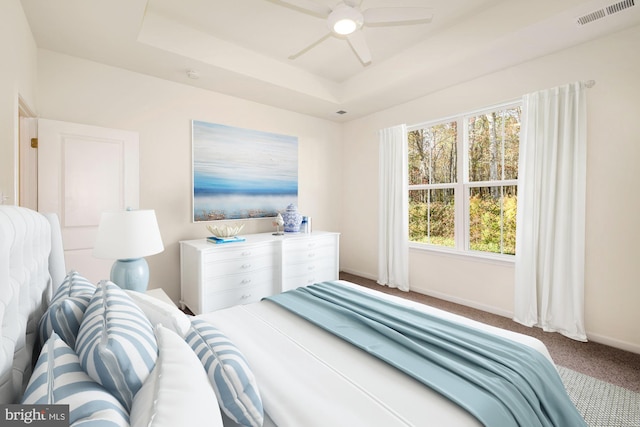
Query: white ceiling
[241,47]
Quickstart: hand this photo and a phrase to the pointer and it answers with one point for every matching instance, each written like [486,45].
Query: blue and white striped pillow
[67,307]
[229,373]
[58,378]
[116,344]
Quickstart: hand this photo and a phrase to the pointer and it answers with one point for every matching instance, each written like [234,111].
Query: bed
[257,364]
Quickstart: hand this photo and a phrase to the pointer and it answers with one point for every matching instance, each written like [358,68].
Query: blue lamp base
[131,274]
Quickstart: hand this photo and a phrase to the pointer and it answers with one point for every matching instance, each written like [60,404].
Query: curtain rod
[587,83]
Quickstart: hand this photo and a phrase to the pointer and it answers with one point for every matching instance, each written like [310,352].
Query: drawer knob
[312,254]
[246,253]
[246,281]
[245,266]
[311,267]
[245,296]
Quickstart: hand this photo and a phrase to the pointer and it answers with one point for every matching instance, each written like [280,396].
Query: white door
[83,171]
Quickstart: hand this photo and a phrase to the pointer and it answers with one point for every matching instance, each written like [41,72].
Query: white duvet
[308,377]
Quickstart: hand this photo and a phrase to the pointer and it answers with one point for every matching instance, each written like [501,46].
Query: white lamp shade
[128,235]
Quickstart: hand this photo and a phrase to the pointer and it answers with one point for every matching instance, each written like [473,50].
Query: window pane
[494,141]
[492,219]
[432,154]
[432,217]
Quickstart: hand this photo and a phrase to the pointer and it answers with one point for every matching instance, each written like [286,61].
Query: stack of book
[218,240]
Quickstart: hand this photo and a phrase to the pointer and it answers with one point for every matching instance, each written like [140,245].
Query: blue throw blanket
[500,382]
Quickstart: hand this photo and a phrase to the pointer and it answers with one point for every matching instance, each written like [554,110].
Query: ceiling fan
[346,19]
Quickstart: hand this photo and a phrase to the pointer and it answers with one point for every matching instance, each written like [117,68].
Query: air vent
[593,16]
[341,112]
[606,11]
[620,6]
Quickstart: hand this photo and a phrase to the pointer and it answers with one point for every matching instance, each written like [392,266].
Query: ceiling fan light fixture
[344,20]
[344,27]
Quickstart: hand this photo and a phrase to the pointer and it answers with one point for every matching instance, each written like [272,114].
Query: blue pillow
[67,309]
[116,343]
[58,378]
[229,373]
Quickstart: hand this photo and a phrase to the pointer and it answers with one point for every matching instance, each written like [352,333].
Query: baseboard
[468,303]
[612,342]
[444,297]
[600,339]
[359,273]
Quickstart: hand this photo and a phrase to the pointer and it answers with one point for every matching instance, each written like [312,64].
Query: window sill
[496,259]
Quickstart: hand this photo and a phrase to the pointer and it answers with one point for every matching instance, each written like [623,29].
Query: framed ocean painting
[242,173]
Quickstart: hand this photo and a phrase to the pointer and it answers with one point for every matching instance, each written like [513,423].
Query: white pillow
[116,344]
[178,391]
[158,311]
[58,379]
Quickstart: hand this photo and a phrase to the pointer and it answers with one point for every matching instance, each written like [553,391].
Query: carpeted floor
[618,367]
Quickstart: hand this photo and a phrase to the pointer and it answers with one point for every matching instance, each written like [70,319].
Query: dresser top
[258,238]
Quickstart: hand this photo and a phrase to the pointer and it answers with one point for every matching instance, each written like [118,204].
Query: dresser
[215,276]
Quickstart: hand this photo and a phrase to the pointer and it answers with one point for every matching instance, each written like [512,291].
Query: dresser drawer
[310,255]
[226,252]
[308,278]
[217,268]
[242,295]
[234,281]
[309,252]
[304,244]
[312,266]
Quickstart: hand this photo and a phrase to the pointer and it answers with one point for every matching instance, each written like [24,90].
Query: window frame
[462,188]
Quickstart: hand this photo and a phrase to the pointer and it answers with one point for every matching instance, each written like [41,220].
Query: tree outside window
[467,203]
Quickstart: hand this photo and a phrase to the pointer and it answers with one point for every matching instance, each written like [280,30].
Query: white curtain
[549,282]
[393,226]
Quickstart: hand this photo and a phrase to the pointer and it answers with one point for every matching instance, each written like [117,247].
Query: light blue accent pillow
[116,343]
[58,378]
[66,309]
[229,373]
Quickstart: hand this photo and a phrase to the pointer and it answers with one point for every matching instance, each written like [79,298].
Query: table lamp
[128,236]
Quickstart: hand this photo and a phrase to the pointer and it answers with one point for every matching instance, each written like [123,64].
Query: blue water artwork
[242,173]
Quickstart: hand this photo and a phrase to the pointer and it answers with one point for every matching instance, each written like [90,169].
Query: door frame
[27,157]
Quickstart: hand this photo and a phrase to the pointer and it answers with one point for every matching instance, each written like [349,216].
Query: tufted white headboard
[27,263]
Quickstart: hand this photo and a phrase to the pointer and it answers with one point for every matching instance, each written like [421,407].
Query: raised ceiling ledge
[171,36]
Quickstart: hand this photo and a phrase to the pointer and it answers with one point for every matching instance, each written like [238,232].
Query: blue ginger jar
[292,219]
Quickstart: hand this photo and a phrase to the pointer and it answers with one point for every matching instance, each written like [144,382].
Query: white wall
[613,202]
[18,55]
[75,90]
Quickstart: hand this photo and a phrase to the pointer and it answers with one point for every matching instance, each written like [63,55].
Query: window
[468,202]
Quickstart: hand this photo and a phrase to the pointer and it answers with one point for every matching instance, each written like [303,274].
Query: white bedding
[309,377]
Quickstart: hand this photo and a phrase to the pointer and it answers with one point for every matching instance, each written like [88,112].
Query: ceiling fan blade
[308,6]
[397,15]
[309,47]
[359,45]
